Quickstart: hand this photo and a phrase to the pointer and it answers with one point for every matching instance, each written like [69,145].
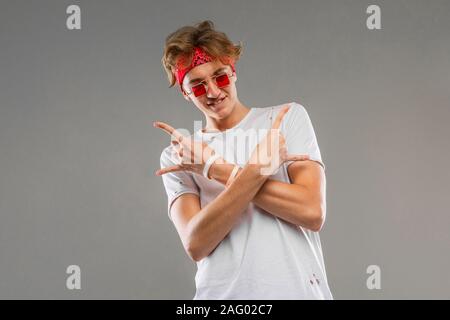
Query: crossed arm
[301,203]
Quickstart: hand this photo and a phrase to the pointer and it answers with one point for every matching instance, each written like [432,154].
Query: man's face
[211,102]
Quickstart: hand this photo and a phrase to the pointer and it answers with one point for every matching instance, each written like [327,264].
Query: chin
[223,112]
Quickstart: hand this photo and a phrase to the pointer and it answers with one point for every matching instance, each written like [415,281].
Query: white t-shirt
[262,257]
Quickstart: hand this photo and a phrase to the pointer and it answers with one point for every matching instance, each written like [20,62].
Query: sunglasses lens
[198,90]
[222,80]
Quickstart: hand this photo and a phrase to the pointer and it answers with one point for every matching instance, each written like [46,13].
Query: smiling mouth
[216,102]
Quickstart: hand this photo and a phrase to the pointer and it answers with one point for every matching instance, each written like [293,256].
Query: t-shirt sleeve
[299,134]
[175,183]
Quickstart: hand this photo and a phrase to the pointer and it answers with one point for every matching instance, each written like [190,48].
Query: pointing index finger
[168,129]
[280,116]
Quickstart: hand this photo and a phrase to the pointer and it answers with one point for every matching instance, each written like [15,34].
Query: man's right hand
[191,155]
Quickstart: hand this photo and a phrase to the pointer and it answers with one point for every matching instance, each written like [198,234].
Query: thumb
[162,171]
[293,157]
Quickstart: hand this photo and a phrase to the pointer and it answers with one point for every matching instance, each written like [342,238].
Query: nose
[212,90]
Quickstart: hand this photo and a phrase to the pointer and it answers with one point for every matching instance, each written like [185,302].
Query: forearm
[211,225]
[290,202]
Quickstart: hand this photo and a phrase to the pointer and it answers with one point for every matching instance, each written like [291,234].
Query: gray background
[78,151]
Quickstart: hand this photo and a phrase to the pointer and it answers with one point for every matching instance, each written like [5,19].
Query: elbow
[194,251]
[198,252]
[190,245]
[194,255]
[317,219]
[316,225]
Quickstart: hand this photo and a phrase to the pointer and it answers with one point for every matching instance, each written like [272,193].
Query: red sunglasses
[221,80]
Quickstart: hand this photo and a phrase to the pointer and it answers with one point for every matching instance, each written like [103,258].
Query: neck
[238,113]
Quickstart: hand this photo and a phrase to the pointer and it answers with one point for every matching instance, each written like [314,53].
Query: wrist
[215,166]
[233,175]
[211,163]
[220,170]
[255,170]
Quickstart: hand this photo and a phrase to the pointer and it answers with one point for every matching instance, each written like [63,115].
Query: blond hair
[181,43]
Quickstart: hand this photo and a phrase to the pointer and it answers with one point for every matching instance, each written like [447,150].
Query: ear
[185,96]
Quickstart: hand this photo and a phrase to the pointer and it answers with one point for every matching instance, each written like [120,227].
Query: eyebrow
[215,72]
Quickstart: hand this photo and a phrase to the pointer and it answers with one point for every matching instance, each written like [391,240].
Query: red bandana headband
[199,57]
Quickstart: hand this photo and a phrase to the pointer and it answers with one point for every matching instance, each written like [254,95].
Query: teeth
[213,104]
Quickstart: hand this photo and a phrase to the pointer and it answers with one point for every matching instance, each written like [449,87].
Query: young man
[249,212]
